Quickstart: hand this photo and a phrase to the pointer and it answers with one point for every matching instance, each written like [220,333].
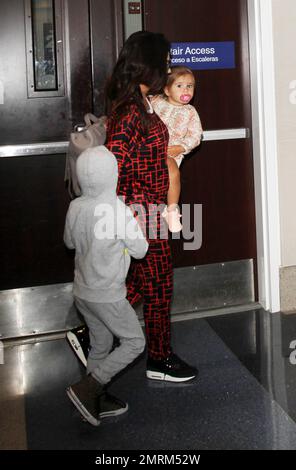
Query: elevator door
[50,76]
[218,175]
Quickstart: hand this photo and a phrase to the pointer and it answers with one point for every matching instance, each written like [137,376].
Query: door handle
[226,134]
[54,148]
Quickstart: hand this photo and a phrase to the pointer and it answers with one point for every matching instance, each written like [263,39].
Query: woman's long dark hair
[142,60]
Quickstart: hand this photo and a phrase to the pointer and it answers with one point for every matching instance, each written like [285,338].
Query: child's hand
[175,150]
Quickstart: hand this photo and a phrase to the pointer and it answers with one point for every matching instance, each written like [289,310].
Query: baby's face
[181,91]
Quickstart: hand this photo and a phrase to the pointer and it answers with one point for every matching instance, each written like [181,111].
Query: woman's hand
[175,150]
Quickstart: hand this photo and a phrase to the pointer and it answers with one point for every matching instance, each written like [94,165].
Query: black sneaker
[79,340]
[171,369]
[111,406]
[85,395]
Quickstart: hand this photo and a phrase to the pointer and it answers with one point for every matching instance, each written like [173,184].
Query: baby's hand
[175,150]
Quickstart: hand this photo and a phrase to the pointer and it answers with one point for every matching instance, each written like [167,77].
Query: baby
[185,131]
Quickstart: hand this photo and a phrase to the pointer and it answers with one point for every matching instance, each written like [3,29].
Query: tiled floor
[244,398]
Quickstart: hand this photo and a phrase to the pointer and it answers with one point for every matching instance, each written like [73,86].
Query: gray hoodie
[102,230]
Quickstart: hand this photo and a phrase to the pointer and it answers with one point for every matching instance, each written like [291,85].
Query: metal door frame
[264,132]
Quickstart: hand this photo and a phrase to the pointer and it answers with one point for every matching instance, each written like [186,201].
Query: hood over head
[97,172]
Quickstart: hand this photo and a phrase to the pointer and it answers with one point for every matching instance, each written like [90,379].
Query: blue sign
[203,55]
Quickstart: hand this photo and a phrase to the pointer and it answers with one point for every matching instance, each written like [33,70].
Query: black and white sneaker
[79,340]
[171,369]
[85,395]
[111,406]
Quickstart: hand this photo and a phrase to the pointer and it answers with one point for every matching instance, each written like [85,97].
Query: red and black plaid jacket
[142,160]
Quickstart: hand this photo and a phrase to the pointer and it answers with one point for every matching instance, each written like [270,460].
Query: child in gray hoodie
[105,234]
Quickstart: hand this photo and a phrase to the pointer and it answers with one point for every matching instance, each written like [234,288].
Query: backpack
[92,134]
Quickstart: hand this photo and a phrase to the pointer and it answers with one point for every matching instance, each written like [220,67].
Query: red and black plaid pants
[151,279]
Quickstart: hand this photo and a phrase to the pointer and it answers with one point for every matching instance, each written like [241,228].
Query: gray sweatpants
[105,320]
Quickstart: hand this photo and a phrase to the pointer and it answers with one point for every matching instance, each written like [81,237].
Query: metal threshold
[177,317]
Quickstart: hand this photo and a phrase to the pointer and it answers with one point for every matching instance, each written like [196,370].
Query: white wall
[284,24]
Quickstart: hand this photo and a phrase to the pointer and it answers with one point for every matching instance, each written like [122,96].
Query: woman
[139,140]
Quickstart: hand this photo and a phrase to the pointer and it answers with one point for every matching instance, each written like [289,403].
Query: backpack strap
[89,118]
